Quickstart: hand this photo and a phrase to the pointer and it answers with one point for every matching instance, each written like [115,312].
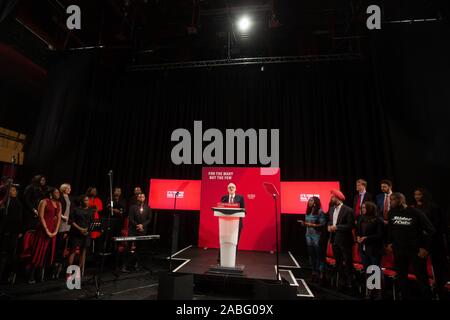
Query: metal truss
[246,61]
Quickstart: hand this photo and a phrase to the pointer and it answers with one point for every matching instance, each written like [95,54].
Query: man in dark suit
[361,197]
[232,197]
[139,218]
[340,226]
[383,200]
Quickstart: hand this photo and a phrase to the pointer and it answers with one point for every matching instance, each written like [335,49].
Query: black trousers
[8,252]
[134,257]
[403,259]
[61,245]
[440,264]
[344,262]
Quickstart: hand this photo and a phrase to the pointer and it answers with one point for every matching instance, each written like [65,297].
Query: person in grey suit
[340,226]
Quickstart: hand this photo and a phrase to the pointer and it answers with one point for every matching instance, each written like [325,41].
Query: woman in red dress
[43,252]
[96,204]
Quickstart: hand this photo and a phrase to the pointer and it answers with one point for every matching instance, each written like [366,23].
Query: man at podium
[232,197]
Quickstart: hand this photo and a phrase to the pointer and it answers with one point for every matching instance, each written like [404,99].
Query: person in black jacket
[409,236]
[11,229]
[79,238]
[340,226]
[139,219]
[119,211]
[232,197]
[33,195]
[439,243]
[4,185]
[134,199]
[369,235]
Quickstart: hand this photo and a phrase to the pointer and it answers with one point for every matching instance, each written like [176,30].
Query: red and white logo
[304,197]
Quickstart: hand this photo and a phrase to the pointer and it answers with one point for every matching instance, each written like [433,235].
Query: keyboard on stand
[137,238]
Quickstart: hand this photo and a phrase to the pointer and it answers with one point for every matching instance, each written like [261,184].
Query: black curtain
[95,118]
[6,7]
[412,64]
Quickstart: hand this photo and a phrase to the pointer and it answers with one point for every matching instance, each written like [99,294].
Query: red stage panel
[259,224]
[162,193]
[295,195]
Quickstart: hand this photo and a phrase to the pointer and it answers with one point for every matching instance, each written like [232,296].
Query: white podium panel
[228,230]
[228,234]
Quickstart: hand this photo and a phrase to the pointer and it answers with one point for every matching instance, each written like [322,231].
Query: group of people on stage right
[380,226]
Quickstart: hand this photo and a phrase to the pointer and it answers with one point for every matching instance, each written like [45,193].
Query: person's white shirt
[231,198]
[386,198]
[337,209]
[361,197]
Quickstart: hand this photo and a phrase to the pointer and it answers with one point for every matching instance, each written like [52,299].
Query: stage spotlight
[244,23]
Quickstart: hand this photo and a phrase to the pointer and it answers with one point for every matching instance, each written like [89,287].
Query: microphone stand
[105,240]
[173,223]
[276,234]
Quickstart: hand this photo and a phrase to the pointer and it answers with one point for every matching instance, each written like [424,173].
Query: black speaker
[173,286]
[264,290]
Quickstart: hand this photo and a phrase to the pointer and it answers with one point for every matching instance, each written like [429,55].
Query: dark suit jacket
[374,232]
[345,224]
[135,218]
[237,199]
[367,197]
[379,200]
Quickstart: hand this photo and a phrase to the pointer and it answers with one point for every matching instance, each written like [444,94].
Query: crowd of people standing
[48,228]
[380,226]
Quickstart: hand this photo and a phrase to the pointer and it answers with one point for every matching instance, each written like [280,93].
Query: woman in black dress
[11,228]
[80,239]
[439,252]
[369,235]
[33,195]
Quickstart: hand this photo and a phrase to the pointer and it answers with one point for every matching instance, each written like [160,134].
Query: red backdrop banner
[162,193]
[259,224]
[296,194]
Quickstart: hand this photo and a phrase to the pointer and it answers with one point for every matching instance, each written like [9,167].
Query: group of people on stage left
[384,225]
[50,228]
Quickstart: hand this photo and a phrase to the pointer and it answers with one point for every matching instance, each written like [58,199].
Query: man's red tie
[385,209]
[358,206]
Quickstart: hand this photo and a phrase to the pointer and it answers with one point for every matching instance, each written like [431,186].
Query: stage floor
[258,266]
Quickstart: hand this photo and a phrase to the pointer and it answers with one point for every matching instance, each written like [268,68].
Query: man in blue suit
[383,201]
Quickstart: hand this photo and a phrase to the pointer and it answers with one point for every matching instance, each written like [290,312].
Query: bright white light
[244,23]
